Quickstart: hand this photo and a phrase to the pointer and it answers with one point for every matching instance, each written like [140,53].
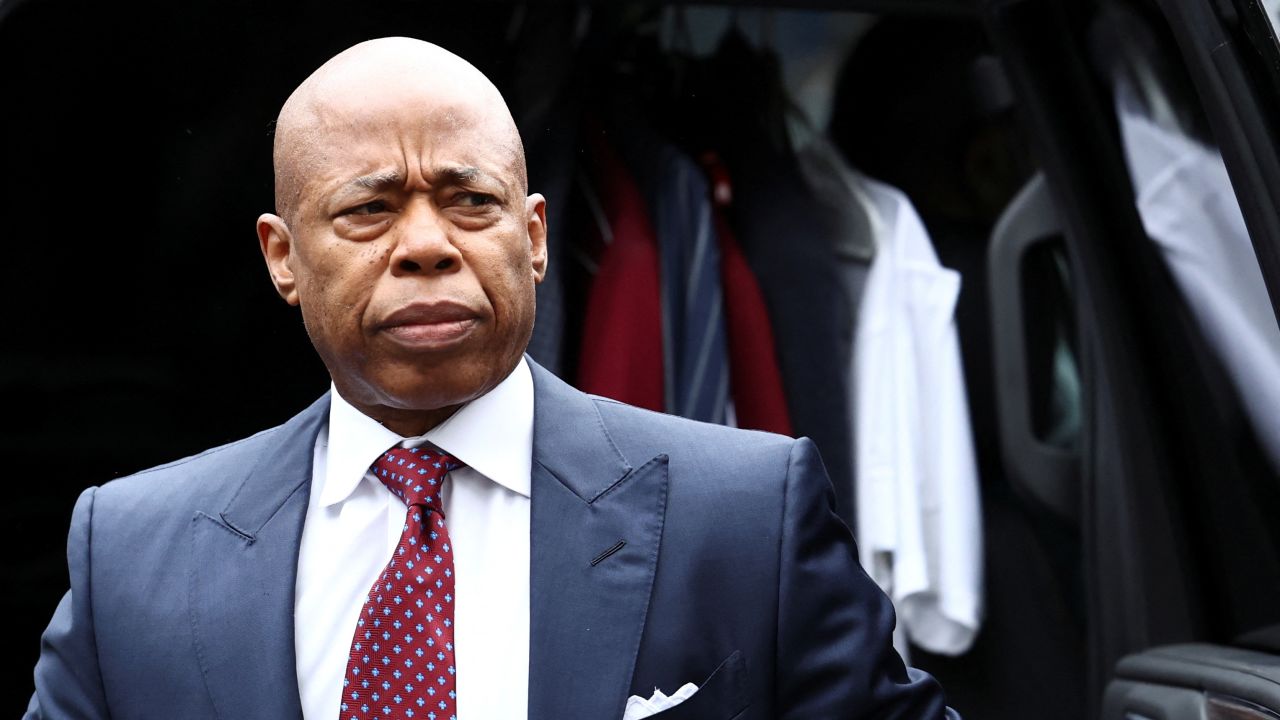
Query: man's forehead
[369,139]
[393,104]
[338,164]
[413,117]
[400,113]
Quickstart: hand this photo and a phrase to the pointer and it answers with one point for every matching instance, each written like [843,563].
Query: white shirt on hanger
[353,524]
[1189,210]
[919,520]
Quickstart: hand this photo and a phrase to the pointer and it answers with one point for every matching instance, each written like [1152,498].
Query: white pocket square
[638,707]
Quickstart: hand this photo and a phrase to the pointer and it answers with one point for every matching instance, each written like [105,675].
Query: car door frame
[1145,450]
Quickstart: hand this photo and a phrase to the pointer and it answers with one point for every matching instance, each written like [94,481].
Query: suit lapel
[243,568]
[595,531]
[596,527]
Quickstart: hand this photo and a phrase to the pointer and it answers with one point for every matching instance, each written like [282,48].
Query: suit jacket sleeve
[67,677]
[835,626]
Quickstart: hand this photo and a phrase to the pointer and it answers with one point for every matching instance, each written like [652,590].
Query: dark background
[140,325]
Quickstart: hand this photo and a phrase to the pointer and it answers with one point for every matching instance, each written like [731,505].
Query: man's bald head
[405,232]
[380,78]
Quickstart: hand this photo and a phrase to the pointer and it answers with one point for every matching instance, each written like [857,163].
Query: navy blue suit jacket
[663,552]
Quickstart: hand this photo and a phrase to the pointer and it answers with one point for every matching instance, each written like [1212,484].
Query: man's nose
[423,243]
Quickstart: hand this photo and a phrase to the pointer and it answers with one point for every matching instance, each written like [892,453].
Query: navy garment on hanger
[789,239]
[551,164]
[547,104]
[696,356]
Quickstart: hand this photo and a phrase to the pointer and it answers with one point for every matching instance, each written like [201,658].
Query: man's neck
[409,423]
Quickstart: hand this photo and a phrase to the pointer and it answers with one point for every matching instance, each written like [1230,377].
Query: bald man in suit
[585,553]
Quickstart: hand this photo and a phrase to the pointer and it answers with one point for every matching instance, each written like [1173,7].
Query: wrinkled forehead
[345,130]
[360,111]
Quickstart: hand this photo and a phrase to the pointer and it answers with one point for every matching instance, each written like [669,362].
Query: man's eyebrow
[448,175]
[465,174]
[378,181]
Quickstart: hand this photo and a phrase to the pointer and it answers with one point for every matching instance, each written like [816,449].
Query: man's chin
[428,384]
[436,396]
[449,384]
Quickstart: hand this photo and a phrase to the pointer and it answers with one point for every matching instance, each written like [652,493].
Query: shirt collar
[492,435]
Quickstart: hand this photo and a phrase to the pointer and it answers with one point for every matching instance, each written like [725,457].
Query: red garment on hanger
[755,382]
[621,355]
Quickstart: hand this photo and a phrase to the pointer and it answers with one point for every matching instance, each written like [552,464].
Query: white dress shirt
[919,518]
[353,524]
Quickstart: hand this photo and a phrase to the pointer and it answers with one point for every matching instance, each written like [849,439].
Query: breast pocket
[722,696]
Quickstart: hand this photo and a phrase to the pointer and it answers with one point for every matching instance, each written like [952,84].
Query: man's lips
[430,325]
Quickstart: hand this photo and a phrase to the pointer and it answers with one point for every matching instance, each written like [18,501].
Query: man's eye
[476,199]
[369,208]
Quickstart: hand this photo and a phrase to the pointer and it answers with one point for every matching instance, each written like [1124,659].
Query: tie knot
[415,475]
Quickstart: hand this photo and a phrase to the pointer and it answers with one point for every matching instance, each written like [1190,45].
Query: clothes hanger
[1124,45]
[805,138]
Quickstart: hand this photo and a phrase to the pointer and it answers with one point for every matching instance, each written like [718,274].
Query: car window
[1190,213]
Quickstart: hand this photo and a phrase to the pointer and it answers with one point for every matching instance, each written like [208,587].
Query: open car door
[1156,126]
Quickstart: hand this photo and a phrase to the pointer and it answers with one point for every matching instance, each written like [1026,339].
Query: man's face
[411,249]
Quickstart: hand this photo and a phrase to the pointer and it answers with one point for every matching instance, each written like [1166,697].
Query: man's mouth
[430,325]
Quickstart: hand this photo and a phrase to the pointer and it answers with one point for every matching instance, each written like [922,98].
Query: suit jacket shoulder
[143,503]
[174,572]
[756,591]
[698,450]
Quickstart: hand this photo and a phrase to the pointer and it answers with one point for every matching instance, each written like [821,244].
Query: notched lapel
[242,617]
[587,619]
[244,563]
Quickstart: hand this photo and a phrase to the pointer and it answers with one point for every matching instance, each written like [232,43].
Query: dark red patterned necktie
[401,663]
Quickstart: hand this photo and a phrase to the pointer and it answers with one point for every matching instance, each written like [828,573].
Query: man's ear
[536,210]
[277,249]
